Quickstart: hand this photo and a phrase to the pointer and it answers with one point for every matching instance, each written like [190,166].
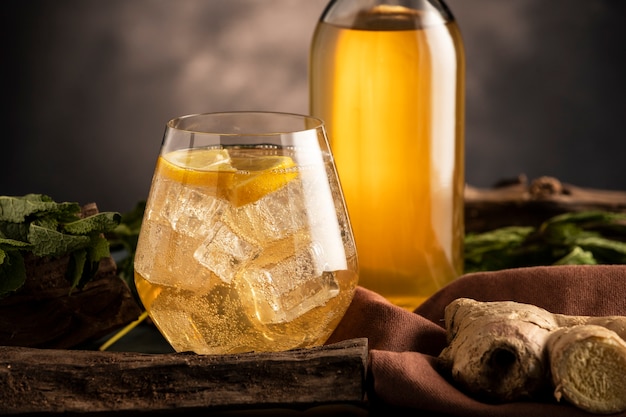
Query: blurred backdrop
[88,86]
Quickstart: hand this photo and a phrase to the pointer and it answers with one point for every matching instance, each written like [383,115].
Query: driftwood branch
[520,203]
[50,381]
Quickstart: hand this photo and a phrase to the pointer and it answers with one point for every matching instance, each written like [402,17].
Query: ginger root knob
[496,349]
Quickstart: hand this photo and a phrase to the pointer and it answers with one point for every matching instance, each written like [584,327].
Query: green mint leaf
[98,248]
[15,231]
[577,256]
[582,217]
[11,244]
[20,209]
[85,262]
[98,223]
[492,243]
[47,222]
[606,250]
[560,233]
[47,242]
[12,272]
[76,267]
[63,212]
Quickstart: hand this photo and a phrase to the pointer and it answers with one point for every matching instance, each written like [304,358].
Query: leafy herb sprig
[35,223]
[587,238]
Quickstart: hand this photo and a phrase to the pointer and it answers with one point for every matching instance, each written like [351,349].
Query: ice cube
[149,256]
[224,252]
[166,259]
[193,212]
[282,289]
[163,194]
[188,209]
[273,217]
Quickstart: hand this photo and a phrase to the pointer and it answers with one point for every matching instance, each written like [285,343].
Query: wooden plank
[73,381]
[518,202]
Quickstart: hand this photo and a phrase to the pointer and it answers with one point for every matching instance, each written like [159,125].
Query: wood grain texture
[71,381]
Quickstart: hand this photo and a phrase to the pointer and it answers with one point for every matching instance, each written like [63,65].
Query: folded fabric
[402,372]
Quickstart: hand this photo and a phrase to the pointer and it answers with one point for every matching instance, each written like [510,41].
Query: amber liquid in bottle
[390,87]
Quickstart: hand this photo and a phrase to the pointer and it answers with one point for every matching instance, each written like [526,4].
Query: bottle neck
[386,14]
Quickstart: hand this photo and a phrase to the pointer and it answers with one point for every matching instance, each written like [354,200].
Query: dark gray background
[88,86]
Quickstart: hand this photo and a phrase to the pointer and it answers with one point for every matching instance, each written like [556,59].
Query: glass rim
[245,123]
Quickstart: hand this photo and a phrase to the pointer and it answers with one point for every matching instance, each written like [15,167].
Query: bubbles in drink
[209,323]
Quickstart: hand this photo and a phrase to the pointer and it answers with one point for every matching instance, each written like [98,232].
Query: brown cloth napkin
[402,372]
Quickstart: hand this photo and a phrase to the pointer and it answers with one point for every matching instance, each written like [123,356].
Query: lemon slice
[258,176]
[198,167]
[241,180]
[201,159]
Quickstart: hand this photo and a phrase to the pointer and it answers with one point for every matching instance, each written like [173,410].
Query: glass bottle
[388,79]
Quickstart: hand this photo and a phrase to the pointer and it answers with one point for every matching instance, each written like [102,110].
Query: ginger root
[503,351]
[495,349]
[588,365]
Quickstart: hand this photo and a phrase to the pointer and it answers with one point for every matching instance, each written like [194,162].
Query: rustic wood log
[91,382]
[55,318]
[520,203]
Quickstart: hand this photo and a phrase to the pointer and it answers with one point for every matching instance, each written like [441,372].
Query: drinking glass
[246,243]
